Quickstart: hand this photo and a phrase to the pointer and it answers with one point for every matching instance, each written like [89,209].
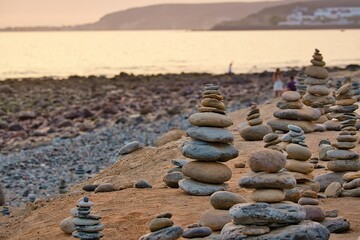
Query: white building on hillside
[337,13]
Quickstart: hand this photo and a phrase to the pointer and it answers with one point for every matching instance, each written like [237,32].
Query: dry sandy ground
[127,212]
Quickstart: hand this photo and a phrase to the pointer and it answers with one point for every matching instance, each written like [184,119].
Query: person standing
[278,83]
[291,85]
[230,72]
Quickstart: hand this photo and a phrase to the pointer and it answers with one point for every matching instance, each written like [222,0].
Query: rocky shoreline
[49,127]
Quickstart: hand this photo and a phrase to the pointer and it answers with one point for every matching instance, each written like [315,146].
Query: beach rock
[225,200]
[67,225]
[352,184]
[239,165]
[351,176]
[160,223]
[129,148]
[215,219]
[26,115]
[314,213]
[197,232]
[289,105]
[333,190]
[268,195]
[164,215]
[299,166]
[281,124]
[344,165]
[105,187]
[351,193]
[307,114]
[169,233]
[316,72]
[266,160]
[172,179]
[143,184]
[268,180]
[332,213]
[15,127]
[336,225]
[209,119]
[291,96]
[318,90]
[211,134]
[309,99]
[254,133]
[312,186]
[325,179]
[298,152]
[253,230]
[179,162]
[209,152]
[266,214]
[308,201]
[172,135]
[270,137]
[2,196]
[196,188]
[293,194]
[207,172]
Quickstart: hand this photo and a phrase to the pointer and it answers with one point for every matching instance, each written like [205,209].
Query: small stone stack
[2,196]
[5,211]
[161,227]
[309,201]
[210,145]
[318,94]
[221,201]
[298,158]
[87,226]
[351,185]
[344,110]
[62,186]
[291,111]
[174,175]
[300,84]
[80,172]
[254,130]
[271,142]
[269,217]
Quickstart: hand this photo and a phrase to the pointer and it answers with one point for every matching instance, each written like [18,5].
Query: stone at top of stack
[161,227]
[291,111]
[87,226]
[300,84]
[298,159]
[271,142]
[269,217]
[210,145]
[254,130]
[318,94]
[351,185]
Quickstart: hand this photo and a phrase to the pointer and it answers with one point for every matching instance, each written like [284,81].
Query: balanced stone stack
[356,90]
[210,145]
[270,217]
[162,227]
[62,186]
[310,203]
[351,185]
[298,157]
[344,110]
[271,142]
[5,211]
[300,84]
[254,130]
[219,216]
[80,172]
[87,226]
[292,111]
[2,196]
[174,175]
[318,94]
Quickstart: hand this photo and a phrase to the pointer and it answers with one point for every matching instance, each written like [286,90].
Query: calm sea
[60,54]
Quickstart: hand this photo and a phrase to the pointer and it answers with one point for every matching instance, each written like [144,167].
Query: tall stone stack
[300,84]
[292,111]
[318,94]
[254,130]
[297,162]
[87,226]
[351,184]
[210,146]
[344,109]
[269,217]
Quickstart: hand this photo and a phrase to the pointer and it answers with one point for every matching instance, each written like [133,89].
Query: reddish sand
[127,212]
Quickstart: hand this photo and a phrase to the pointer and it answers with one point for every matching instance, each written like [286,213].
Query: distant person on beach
[291,84]
[230,69]
[278,83]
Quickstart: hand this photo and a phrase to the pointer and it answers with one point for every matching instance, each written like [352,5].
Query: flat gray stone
[169,233]
[196,188]
[336,225]
[197,232]
[129,148]
[263,180]
[341,154]
[254,133]
[225,200]
[172,179]
[211,134]
[307,114]
[325,179]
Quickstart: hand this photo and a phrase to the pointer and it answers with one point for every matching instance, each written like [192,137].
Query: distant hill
[170,17]
[269,17]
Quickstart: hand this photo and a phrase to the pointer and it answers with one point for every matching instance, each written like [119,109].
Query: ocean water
[60,54]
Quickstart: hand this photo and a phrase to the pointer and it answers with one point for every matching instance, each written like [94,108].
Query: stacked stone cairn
[80,172]
[271,142]
[254,130]
[356,90]
[221,201]
[344,109]
[351,184]
[162,227]
[174,175]
[210,145]
[300,84]
[5,211]
[292,111]
[318,94]
[87,226]
[269,217]
[298,156]
[2,196]
[62,186]
[310,202]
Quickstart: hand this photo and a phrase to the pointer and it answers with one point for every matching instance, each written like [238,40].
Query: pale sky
[69,12]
